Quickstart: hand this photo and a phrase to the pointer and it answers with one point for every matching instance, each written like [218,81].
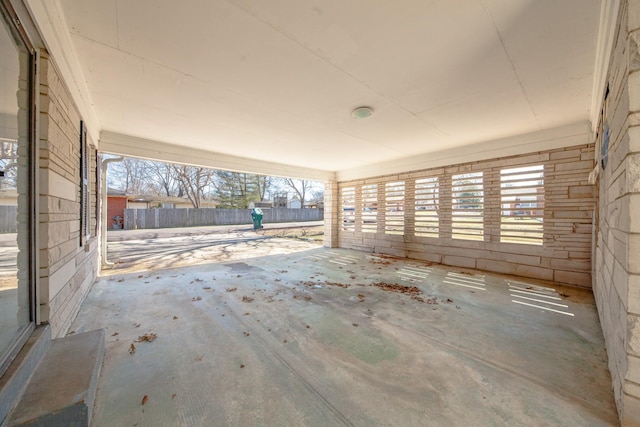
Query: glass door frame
[16,27]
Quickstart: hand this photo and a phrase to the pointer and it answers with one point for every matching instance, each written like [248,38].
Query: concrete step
[14,381]
[62,390]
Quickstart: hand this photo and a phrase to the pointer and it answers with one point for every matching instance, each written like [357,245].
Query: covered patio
[313,336]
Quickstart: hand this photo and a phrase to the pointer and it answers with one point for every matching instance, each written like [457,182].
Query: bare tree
[195,182]
[300,187]
[130,175]
[162,179]
[8,164]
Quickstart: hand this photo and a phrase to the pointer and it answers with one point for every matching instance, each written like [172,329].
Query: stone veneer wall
[564,256]
[66,269]
[617,253]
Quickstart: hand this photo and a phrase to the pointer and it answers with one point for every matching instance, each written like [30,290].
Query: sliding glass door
[16,139]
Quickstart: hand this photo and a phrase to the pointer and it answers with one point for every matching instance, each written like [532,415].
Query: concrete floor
[302,338]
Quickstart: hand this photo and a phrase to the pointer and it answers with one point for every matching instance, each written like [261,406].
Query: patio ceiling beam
[125,145]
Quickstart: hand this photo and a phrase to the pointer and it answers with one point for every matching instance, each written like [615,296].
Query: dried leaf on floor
[246,299]
[206,288]
[175,317]
[231,289]
[132,349]
[246,334]
[145,399]
[121,279]
[198,359]
[196,298]
[355,324]
[173,396]
[115,334]
[147,337]
[241,366]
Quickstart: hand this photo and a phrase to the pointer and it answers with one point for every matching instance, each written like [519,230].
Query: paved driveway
[137,250]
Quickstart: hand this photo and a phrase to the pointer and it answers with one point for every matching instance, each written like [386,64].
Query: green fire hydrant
[256,216]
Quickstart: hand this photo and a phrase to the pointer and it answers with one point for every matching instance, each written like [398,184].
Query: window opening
[427,222]
[467,206]
[347,208]
[394,206]
[369,208]
[522,202]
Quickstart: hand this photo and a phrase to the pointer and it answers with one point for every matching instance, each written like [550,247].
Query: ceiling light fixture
[361,113]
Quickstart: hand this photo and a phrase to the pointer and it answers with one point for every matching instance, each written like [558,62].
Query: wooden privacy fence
[8,219]
[188,217]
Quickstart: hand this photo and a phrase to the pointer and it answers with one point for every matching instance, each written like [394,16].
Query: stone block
[633,287]
[630,411]
[633,171]
[459,261]
[633,335]
[582,191]
[634,249]
[634,91]
[582,279]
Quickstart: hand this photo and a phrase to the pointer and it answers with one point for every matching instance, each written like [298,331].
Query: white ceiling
[277,80]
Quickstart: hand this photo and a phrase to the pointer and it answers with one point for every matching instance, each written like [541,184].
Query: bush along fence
[188,217]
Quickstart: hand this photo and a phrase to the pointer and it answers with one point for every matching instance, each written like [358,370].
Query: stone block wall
[67,269]
[562,255]
[617,252]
